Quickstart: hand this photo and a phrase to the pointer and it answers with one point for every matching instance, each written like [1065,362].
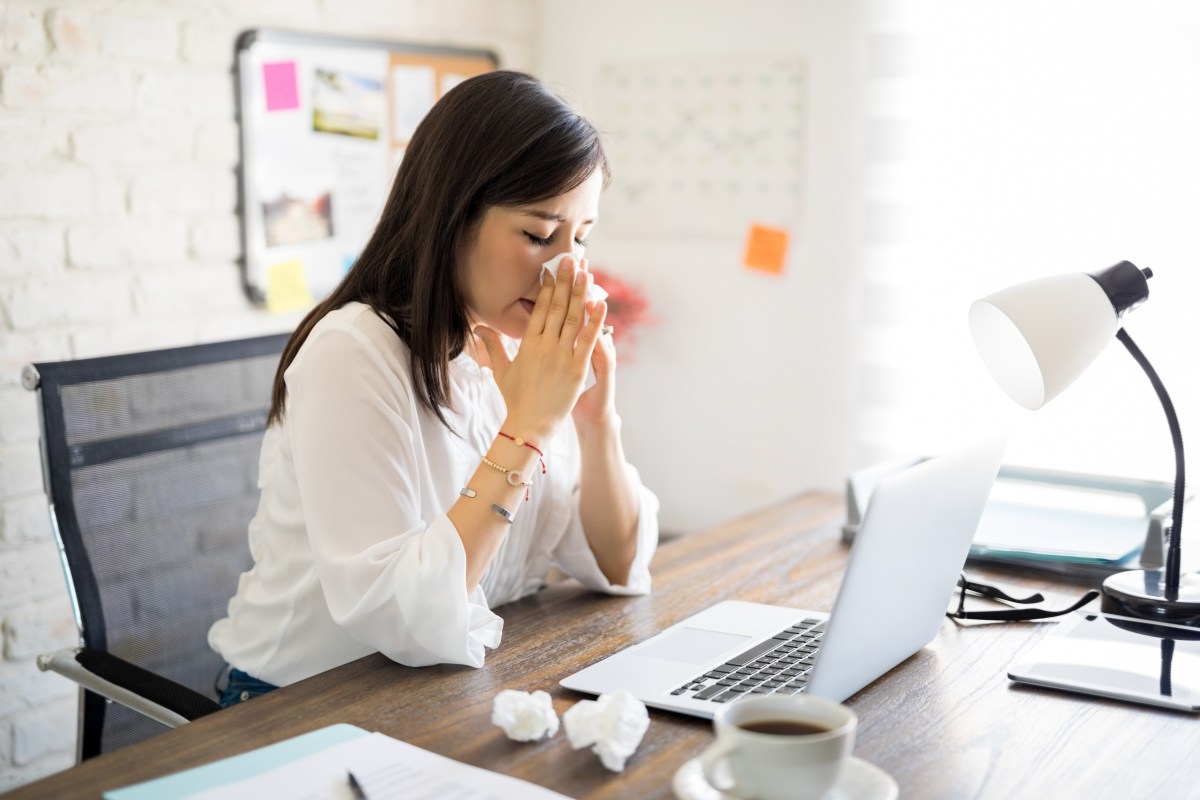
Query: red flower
[627,306]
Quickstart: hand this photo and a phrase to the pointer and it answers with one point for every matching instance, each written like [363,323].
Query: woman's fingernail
[579,278]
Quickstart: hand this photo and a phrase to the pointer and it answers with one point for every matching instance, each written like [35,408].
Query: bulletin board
[324,124]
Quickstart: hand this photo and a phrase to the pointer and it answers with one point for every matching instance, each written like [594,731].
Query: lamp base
[1142,594]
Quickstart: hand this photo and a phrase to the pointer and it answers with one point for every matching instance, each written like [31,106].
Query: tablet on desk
[1099,654]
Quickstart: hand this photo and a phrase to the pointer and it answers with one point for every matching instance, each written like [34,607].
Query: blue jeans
[242,687]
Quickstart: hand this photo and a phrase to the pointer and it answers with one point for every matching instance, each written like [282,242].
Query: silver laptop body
[902,569]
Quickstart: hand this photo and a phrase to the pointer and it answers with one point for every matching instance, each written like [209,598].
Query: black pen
[355,786]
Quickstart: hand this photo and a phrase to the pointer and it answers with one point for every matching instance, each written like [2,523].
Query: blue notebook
[239,767]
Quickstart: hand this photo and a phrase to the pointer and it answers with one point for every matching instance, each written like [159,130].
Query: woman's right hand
[541,384]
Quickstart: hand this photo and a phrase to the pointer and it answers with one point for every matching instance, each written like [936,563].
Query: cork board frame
[324,121]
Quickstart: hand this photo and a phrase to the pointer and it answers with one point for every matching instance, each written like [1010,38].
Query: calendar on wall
[701,146]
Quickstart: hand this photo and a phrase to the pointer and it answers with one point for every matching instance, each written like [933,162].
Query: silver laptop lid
[905,561]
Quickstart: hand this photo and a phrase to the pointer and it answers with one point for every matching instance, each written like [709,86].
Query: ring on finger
[606,330]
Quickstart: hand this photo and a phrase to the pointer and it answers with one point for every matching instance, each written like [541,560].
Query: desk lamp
[1036,338]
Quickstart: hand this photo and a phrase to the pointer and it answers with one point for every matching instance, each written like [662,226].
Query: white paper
[414,91]
[386,769]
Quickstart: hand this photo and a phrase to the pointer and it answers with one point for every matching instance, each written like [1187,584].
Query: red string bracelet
[519,442]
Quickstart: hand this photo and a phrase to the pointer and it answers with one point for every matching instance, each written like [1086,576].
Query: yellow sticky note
[766,249]
[287,290]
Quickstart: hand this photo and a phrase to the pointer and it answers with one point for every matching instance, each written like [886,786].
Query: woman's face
[502,265]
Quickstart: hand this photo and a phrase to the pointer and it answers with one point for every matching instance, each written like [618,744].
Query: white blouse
[352,547]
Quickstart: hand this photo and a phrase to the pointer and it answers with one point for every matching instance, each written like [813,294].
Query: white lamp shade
[1036,338]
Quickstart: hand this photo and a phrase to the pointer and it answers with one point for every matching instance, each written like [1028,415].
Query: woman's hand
[597,405]
[542,383]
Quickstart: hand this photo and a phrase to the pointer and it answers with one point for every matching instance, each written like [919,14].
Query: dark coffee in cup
[779,747]
[784,727]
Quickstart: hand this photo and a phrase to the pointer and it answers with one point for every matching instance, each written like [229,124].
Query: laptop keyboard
[780,665]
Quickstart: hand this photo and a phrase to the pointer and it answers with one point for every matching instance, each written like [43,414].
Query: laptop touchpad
[690,645]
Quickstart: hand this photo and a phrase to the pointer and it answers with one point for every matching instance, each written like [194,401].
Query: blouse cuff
[447,626]
[577,559]
[484,628]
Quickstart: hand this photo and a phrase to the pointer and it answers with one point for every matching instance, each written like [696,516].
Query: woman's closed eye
[541,241]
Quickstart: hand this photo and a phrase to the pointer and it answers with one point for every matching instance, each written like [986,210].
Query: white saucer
[859,781]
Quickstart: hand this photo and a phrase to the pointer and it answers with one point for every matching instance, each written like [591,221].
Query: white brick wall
[118,155]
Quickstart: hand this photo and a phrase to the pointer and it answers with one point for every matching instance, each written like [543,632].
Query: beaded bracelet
[511,476]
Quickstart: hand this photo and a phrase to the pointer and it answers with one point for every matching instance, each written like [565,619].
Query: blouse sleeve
[575,557]
[392,580]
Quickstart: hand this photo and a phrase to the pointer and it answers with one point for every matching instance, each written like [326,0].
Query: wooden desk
[947,723]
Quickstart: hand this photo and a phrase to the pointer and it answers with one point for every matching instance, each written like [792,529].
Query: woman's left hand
[597,405]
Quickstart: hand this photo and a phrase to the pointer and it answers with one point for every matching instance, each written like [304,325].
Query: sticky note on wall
[766,249]
[287,288]
[279,85]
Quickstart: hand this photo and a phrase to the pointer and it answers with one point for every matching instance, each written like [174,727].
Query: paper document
[386,769]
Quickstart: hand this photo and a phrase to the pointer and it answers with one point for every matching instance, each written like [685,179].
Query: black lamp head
[1125,285]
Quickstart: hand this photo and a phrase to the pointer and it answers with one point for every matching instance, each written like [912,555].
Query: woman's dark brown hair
[498,139]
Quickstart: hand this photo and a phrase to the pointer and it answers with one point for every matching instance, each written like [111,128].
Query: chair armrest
[158,698]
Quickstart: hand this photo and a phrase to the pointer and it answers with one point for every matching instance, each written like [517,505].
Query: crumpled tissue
[524,716]
[613,724]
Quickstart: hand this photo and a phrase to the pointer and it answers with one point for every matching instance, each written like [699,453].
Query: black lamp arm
[1175,545]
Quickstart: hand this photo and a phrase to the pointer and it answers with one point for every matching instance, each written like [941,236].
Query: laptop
[902,570]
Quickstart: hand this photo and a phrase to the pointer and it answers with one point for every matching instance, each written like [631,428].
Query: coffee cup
[779,747]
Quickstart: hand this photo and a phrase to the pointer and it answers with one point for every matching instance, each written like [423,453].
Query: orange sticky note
[766,249]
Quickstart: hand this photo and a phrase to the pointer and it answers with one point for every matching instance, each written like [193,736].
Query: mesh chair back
[152,468]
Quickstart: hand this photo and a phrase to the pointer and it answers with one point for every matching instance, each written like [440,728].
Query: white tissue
[613,724]
[594,293]
[524,716]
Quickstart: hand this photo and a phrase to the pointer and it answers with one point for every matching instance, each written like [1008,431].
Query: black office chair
[150,463]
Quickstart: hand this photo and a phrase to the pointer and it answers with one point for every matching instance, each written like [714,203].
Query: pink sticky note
[279,79]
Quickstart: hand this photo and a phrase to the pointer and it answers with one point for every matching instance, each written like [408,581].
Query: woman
[421,464]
